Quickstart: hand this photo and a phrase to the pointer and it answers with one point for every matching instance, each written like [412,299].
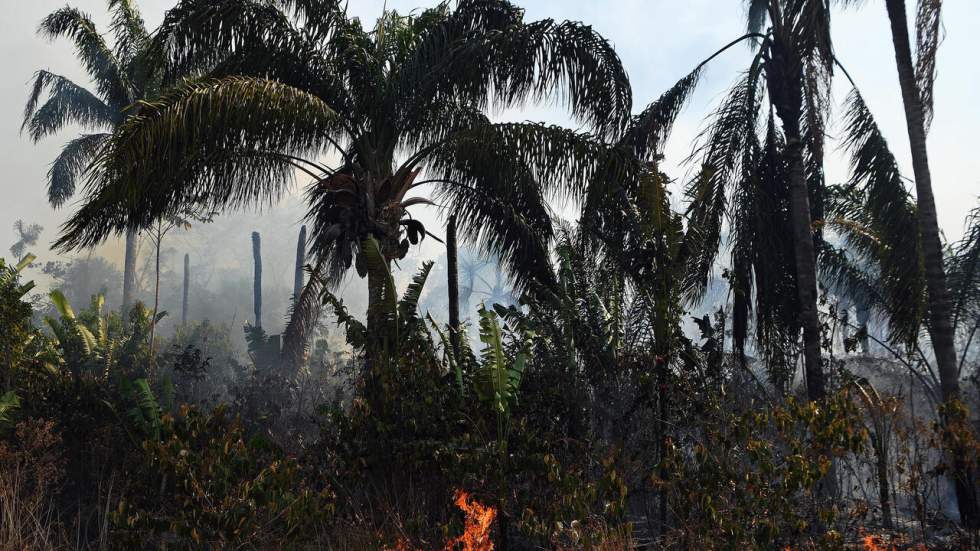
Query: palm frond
[357,334]
[129,30]
[722,153]
[515,229]
[649,131]
[196,35]
[254,38]
[858,284]
[320,18]
[99,60]
[484,54]
[67,103]
[564,163]
[375,266]
[208,143]
[303,316]
[756,15]
[928,36]
[73,161]
[886,208]
[497,179]
[408,305]
[963,270]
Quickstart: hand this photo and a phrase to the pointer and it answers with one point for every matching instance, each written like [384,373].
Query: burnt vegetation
[602,356]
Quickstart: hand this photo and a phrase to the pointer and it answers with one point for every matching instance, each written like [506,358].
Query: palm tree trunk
[376,359]
[187,283]
[300,262]
[129,272]
[940,325]
[257,277]
[453,284]
[806,266]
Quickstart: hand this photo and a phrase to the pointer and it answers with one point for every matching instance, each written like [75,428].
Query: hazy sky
[659,42]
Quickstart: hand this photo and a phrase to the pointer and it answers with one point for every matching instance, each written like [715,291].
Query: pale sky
[659,42]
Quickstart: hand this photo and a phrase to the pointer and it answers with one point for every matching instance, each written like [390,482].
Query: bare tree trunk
[129,272]
[453,284]
[156,288]
[881,455]
[940,325]
[187,284]
[300,263]
[257,277]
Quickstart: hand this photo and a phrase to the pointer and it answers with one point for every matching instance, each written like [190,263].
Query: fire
[870,542]
[476,533]
[876,543]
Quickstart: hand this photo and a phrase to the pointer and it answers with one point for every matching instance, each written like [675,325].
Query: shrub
[224,488]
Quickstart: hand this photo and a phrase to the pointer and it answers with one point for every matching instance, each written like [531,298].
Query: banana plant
[86,344]
[9,275]
[498,377]
[83,346]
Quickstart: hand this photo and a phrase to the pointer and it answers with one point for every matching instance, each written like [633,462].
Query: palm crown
[122,74]
[291,81]
[413,84]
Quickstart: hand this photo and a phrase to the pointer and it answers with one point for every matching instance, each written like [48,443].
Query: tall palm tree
[916,79]
[293,80]
[916,84]
[122,73]
[789,77]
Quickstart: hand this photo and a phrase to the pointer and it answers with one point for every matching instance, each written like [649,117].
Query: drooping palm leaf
[71,164]
[100,62]
[885,208]
[928,36]
[68,103]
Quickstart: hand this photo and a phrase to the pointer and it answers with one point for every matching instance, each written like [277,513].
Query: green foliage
[760,493]
[146,413]
[497,378]
[224,488]
[9,404]
[19,339]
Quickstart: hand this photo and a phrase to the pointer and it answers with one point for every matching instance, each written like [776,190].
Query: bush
[223,489]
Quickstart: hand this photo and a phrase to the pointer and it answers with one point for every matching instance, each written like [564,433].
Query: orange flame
[476,532]
[876,543]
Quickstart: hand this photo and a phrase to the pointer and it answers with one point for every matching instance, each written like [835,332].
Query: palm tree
[916,83]
[122,73]
[293,80]
[789,77]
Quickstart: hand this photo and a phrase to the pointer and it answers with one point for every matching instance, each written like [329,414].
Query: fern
[145,413]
